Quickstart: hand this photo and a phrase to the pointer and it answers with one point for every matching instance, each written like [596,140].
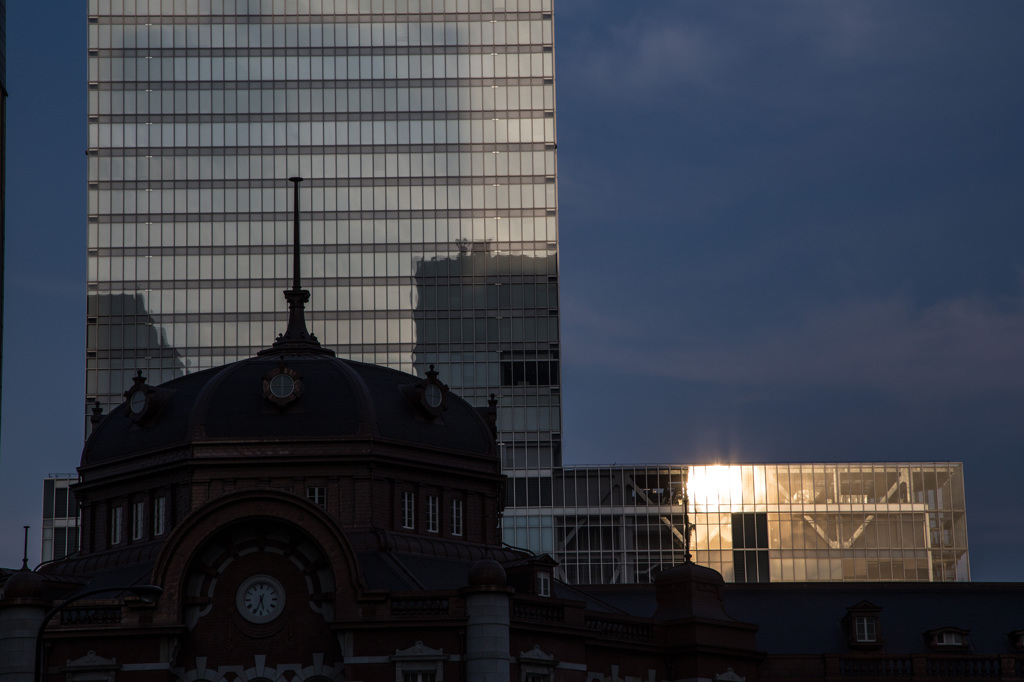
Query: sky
[789,231]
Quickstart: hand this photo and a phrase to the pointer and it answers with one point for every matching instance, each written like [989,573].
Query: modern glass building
[425,130]
[60,517]
[752,523]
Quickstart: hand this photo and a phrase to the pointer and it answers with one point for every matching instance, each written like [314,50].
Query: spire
[296,338]
[24,558]
[688,527]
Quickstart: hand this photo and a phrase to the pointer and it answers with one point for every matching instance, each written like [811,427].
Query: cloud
[956,347]
[764,51]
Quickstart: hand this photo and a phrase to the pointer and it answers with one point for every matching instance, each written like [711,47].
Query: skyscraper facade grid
[425,130]
[808,522]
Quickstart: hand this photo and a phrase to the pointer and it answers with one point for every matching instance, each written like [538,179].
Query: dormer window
[865,629]
[947,638]
[543,584]
[863,626]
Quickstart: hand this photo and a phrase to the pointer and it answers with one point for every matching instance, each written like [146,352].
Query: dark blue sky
[790,231]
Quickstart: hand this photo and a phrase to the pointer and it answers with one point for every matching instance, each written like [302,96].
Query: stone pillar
[22,610]
[487,627]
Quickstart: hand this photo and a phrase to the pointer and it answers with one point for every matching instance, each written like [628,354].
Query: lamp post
[147,593]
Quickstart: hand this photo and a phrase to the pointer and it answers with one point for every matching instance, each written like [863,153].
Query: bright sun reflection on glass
[713,486]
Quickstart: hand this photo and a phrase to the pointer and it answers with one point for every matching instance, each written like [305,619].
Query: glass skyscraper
[751,523]
[425,130]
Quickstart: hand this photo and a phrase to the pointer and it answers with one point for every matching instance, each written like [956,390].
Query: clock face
[260,599]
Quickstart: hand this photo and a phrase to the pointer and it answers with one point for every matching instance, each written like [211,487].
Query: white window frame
[116,519]
[159,516]
[456,525]
[138,520]
[949,638]
[317,495]
[408,510]
[543,584]
[865,629]
[433,513]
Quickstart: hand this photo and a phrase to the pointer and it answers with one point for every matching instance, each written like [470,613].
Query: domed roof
[331,399]
[24,584]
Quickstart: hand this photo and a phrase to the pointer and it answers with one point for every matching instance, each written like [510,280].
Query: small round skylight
[282,385]
[432,394]
[138,402]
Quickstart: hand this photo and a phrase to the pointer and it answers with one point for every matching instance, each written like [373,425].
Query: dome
[25,584]
[486,572]
[315,397]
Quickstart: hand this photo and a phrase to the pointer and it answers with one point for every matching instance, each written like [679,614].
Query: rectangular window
[138,530]
[543,584]
[408,510]
[433,512]
[865,629]
[116,516]
[456,517]
[528,492]
[60,543]
[48,494]
[159,515]
[317,496]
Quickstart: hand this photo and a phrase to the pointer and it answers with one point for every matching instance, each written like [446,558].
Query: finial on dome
[97,413]
[688,527]
[25,557]
[296,337]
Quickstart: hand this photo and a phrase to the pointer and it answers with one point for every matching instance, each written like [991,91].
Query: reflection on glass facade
[60,517]
[752,523]
[425,130]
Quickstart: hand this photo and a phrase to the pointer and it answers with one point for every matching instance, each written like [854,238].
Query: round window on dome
[138,402]
[282,386]
[432,394]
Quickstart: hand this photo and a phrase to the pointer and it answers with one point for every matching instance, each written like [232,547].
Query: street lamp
[147,593]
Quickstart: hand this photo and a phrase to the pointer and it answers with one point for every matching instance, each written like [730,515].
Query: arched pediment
[219,532]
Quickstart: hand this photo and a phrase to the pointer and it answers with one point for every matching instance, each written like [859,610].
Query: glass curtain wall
[425,130]
[60,517]
[752,523]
